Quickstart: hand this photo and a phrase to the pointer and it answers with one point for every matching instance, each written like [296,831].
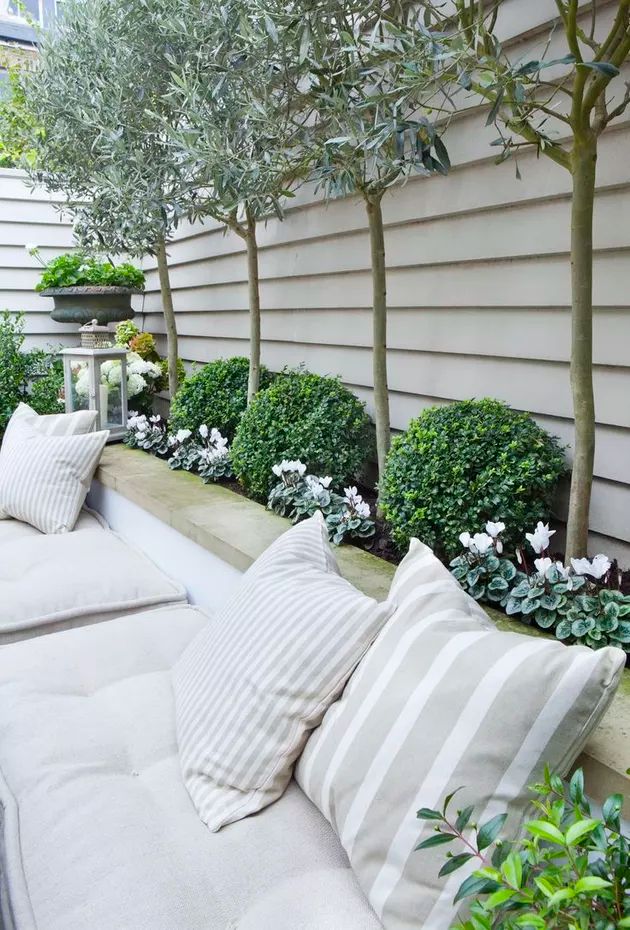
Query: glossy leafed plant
[569,870]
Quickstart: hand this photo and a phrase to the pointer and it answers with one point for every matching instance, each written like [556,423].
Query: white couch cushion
[13,530]
[55,424]
[444,700]
[44,480]
[51,583]
[253,685]
[99,829]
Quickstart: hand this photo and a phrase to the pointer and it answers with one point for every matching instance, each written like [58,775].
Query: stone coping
[238,530]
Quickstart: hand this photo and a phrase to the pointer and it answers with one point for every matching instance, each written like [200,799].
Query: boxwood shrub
[462,464]
[302,416]
[216,395]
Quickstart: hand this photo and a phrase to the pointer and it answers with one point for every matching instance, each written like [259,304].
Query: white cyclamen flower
[203,431]
[481,543]
[325,482]
[543,565]
[182,435]
[155,419]
[493,529]
[539,540]
[465,539]
[362,509]
[599,567]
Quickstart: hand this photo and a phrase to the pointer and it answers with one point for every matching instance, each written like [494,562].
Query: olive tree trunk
[379,327]
[169,317]
[584,161]
[253,280]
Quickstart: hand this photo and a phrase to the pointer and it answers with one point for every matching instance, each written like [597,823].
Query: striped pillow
[254,683]
[56,424]
[44,480]
[441,700]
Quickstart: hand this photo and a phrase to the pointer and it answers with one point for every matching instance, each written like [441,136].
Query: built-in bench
[141,497]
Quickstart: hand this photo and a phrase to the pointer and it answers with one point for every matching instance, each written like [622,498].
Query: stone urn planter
[81,305]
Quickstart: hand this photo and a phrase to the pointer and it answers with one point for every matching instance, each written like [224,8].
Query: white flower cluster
[480,543]
[356,504]
[539,540]
[286,467]
[140,374]
[215,446]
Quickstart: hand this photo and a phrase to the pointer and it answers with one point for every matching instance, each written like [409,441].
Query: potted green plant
[83,288]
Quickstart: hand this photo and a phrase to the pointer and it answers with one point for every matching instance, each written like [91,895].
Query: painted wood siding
[27,217]
[478,288]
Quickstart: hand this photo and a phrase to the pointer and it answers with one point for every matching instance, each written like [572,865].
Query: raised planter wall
[207,534]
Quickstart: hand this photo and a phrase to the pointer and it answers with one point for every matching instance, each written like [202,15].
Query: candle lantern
[95,378]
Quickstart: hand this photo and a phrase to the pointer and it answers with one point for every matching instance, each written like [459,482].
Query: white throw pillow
[254,683]
[55,424]
[443,700]
[44,479]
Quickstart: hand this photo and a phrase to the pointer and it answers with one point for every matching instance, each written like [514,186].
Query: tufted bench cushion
[51,583]
[99,831]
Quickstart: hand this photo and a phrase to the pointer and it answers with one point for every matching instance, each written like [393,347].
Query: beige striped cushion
[259,678]
[44,480]
[441,700]
[56,424]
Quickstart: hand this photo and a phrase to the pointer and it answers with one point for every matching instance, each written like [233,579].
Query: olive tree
[100,96]
[350,55]
[561,106]
[238,128]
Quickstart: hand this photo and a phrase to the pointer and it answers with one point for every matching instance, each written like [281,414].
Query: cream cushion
[13,530]
[44,480]
[444,700]
[51,583]
[253,685]
[99,831]
[56,424]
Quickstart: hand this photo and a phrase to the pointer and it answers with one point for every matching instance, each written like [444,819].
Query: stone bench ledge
[238,530]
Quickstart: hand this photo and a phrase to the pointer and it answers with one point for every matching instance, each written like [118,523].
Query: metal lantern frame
[97,397]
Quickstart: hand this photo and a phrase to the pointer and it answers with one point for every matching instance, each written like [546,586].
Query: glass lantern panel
[80,385]
[110,401]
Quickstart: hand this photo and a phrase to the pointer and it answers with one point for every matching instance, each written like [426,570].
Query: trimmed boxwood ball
[307,417]
[460,465]
[215,395]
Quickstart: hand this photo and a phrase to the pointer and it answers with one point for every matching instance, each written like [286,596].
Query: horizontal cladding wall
[478,289]
[29,217]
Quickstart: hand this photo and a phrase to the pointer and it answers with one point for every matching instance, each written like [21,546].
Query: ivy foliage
[464,463]
[216,396]
[76,269]
[305,416]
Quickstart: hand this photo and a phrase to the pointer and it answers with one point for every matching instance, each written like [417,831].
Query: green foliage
[18,130]
[567,871]
[144,345]
[215,396]
[486,576]
[35,377]
[14,365]
[46,391]
[465,463]
[597,618]
[304,415]
[126,330]
[76,269]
